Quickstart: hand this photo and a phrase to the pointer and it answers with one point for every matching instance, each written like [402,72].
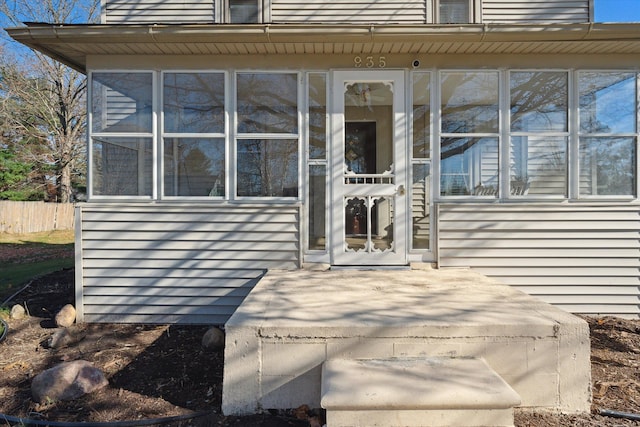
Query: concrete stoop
[415,392]
[294,322]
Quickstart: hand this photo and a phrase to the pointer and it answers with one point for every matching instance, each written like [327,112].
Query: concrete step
[415,392]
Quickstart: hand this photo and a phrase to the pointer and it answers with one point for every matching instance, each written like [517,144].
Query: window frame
[223,12]
[567,134]
[475,13]
[236,136]
[152,135]
[438,135]
[579,135]
[191,135]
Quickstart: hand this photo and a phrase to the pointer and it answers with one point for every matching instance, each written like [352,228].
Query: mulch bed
[158,371]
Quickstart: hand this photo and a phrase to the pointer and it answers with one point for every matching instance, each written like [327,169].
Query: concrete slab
[295,320]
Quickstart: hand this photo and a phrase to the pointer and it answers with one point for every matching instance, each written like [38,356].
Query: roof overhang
[71,44]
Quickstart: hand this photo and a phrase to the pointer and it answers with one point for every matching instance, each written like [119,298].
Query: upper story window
[454,11]
[243,11]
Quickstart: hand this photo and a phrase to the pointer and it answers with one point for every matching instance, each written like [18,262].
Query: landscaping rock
[67,381]
[18,312]
[213,339]
[63,338]
[66,316]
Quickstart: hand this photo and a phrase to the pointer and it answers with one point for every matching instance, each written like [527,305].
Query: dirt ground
[162,371]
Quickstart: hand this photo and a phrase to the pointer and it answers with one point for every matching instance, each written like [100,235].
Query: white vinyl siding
[178,263]
[351,11]
[581,258]
[512,11]
[158,11]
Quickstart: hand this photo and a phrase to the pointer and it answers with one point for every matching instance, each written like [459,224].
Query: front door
[368,168]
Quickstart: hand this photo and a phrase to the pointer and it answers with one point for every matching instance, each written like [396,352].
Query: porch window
[469,133]
[194,134]
[539,133]
[421,161]
[121,144]
[267,140]
[608,133]
[317,161]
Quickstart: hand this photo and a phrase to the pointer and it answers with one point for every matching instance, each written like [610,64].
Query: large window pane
[538,166]
[268,167]
[421,115]
[470,102]
[607,102]
[607,166]
[194,167]
[267,103]
[317,116]
[122,166]
[539,101]
[468,165]
[317,206]
[121,102]
[193,102]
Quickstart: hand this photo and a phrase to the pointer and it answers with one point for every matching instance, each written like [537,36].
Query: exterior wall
[510,11]
[156,12]
[351,11]
[582,258]
[177,263]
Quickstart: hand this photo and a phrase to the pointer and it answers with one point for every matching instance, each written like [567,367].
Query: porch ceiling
[71,44]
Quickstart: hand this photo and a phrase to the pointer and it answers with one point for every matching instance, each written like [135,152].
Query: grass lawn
[26,256]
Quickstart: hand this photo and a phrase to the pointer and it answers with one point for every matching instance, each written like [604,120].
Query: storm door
[368,168]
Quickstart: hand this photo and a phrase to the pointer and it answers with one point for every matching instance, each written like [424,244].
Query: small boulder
[66,316]
[64,337]
[213,339]
[67,381]
[18,312]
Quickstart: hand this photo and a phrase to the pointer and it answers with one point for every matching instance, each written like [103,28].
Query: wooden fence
[33,217]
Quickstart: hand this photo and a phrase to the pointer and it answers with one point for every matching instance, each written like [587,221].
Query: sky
[617,10]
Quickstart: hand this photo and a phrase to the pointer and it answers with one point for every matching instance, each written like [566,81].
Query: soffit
[71,44]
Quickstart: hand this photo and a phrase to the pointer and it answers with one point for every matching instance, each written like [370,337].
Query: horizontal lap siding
[535,11]
[352,11]
[180,264]
[585,259]
[158,11]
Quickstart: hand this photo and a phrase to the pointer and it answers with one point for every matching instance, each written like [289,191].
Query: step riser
[421,418]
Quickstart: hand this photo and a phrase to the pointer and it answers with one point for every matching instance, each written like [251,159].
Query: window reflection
[268,167]
[267,103]
[193,102]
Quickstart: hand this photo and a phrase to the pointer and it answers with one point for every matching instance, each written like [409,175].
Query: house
[230,137]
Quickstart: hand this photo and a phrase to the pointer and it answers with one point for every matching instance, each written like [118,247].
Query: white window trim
[235,136]
[163,135]
[153,135]
[222,11]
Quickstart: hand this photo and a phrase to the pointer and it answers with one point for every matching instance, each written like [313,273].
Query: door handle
[401,191]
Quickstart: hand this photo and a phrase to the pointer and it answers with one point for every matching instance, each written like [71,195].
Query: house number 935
[370,61]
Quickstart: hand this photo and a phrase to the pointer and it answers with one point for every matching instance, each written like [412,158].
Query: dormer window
[243,11]
[455,11]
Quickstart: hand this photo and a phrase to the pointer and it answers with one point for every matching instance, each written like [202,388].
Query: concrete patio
[294,321]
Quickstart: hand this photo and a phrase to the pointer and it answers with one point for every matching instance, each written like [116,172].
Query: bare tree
[44,101]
